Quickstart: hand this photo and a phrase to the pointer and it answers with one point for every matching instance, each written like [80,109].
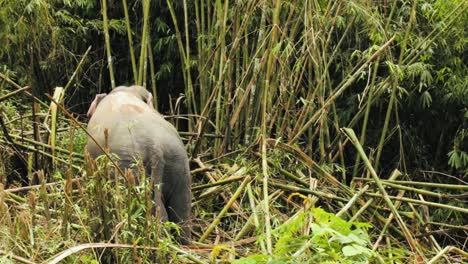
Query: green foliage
[458,158]
[317,236]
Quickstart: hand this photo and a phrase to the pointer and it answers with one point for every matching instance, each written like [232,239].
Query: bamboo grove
[319,131]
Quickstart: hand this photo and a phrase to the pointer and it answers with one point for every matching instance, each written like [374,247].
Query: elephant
[136,131]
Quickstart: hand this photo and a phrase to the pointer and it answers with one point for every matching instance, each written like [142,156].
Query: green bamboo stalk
[425,184]
[386,225]
[153,75]
[394,88]
[312,165]
[107,40]
[221,214]
[284,172]
[446,250]
[431,204]
[251,222]
[77,69]
[352,137]
[426,43]
[352,201]
[130,42]
[362,139]
[266,203]
[361,210]
[221,13]
[464,227]
[217,183]
[420,191]
[144,43]
[308,191]
[185,63]
[192,105]
[341,88]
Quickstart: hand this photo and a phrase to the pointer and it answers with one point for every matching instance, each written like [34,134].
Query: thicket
[296,114]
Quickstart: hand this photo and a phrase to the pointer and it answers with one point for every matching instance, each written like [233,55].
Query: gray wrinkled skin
[138,132]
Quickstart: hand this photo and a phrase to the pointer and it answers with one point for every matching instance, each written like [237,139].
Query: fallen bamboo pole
[225,209]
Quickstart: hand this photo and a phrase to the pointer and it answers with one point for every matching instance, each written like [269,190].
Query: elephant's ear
[149,100]
[94,104]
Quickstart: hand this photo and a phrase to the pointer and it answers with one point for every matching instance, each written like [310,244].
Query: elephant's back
[131,127]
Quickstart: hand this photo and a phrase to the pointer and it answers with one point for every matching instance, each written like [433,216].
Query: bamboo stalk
[308,191]
[43,153]
[107,40]
[190,92]
[352,201]
[68,252]
[77,69]
[409,237]
[446,250]
[394,86]
[228,205]
[58,95]
[153,75]
[253,219]
[58,149]
[431,204]
[284,172]
[8,95]
[130,42]
[424,184]
[144,43]
[220,182]
[341,88]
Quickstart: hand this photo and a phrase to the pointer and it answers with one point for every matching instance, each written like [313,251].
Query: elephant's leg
[157,171]
[178,197]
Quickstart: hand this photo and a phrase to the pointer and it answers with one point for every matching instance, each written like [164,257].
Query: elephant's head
[138,91]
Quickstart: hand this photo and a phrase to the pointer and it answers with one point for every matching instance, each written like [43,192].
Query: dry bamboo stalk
[17,86]
[8,95]
[15,257]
